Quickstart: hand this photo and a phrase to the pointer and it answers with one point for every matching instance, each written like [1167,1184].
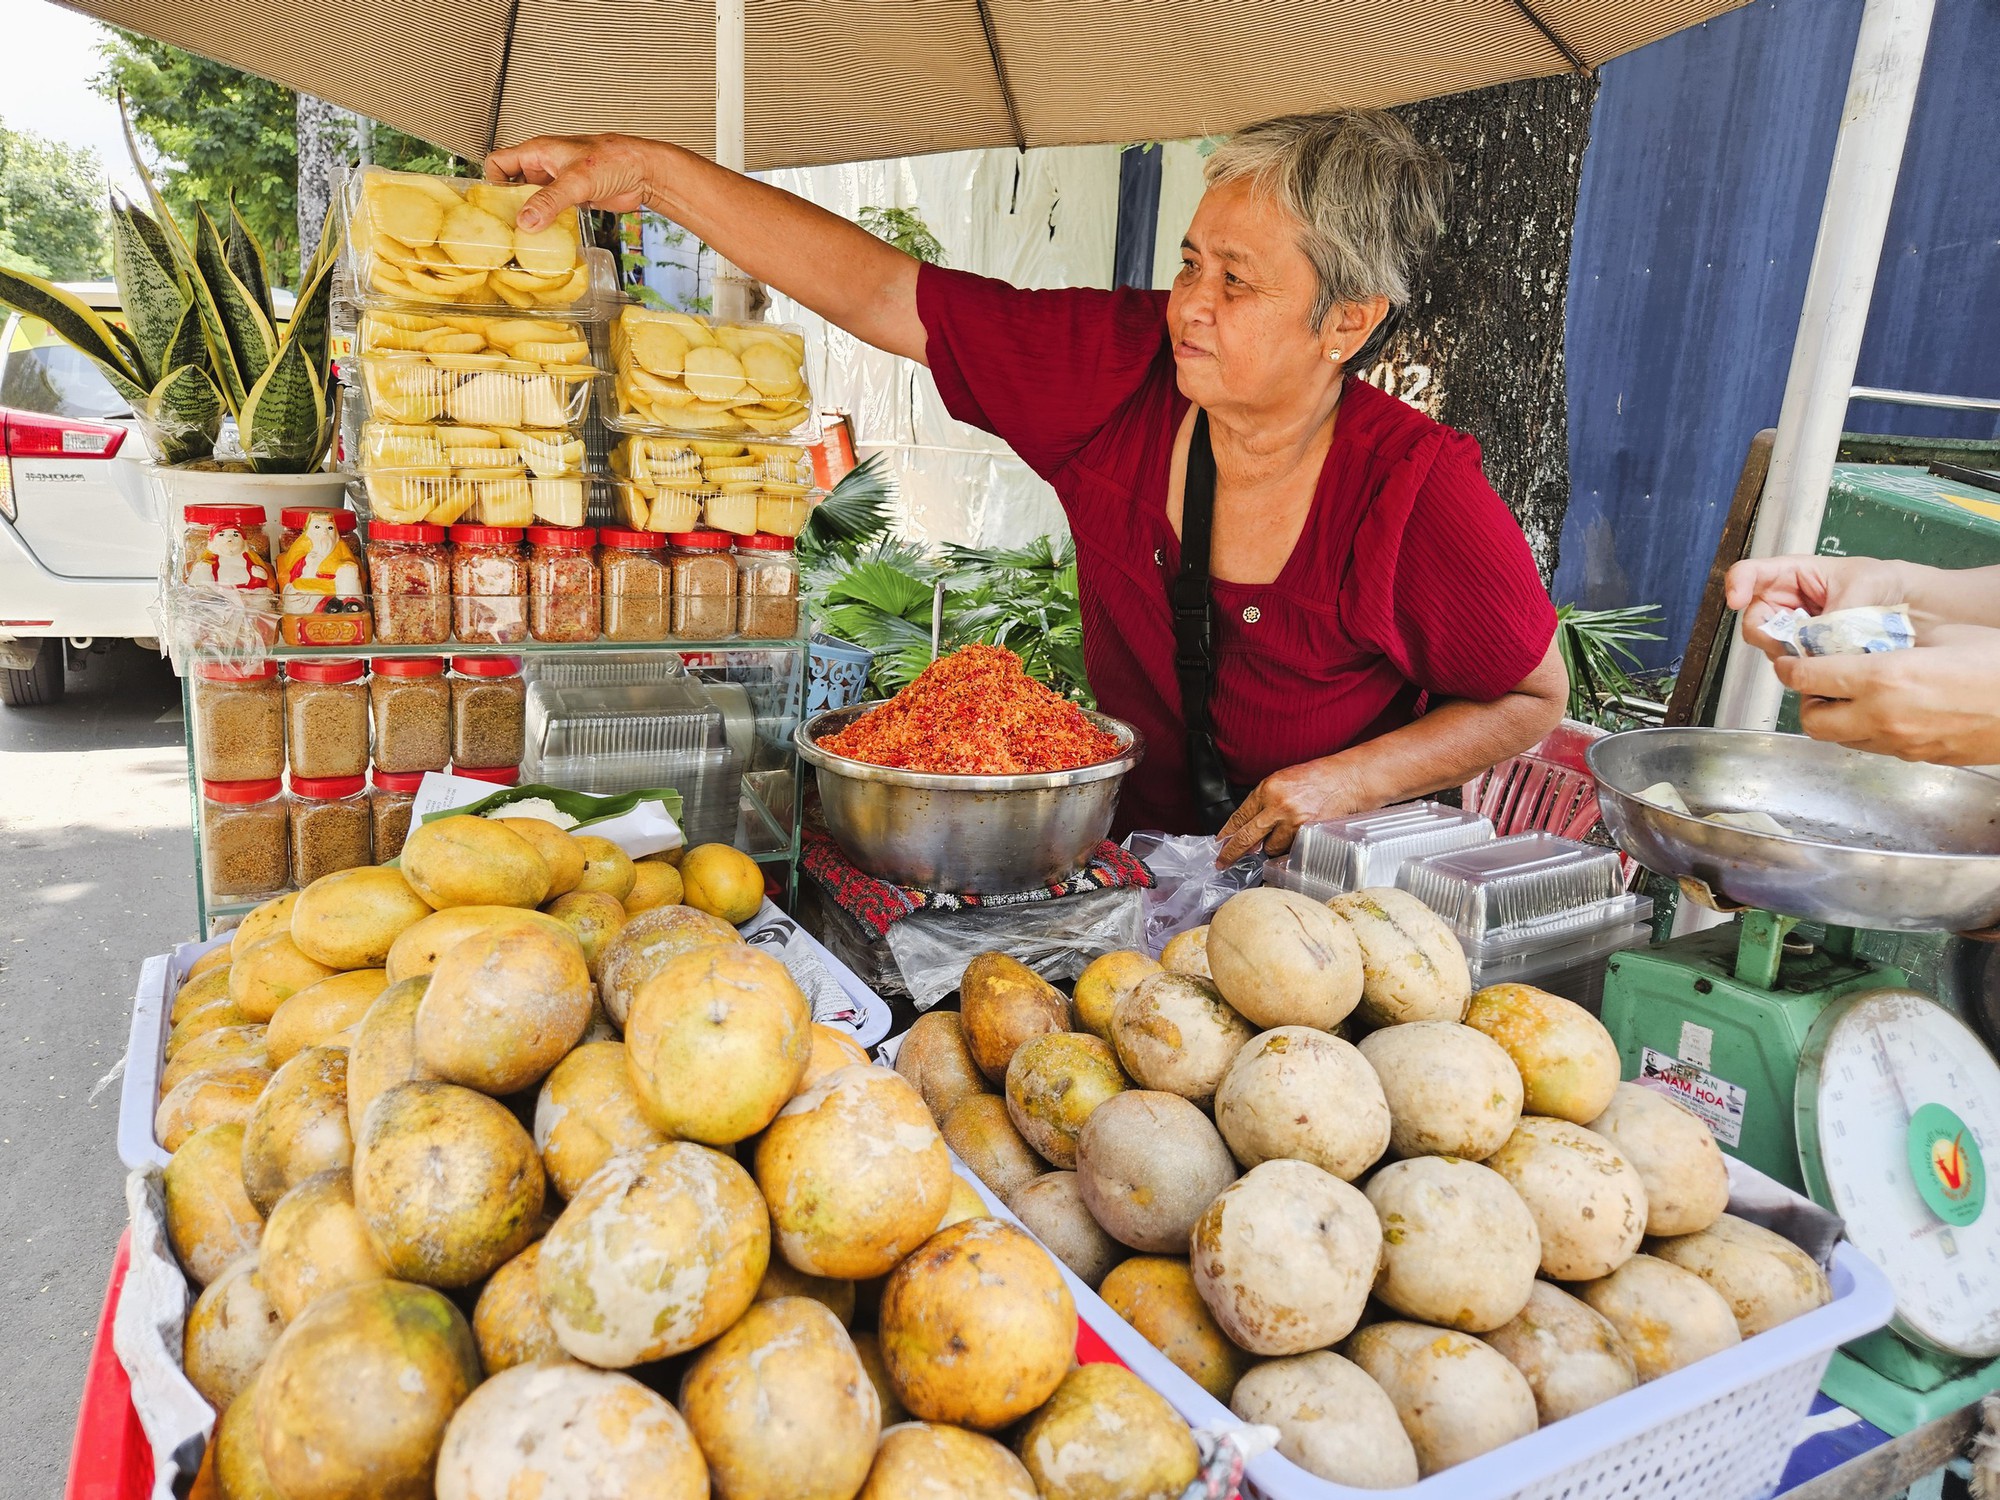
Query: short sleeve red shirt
[1410,581]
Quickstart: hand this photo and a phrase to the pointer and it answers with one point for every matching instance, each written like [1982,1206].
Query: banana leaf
[184,414]
[76,324]
[150,288]
[283,421]
[246,258]
[252,342]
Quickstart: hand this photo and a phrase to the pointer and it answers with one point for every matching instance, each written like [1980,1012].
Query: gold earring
[1333,355]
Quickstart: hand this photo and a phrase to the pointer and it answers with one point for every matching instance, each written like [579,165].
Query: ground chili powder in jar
[409,570]
[564,603]
[976,712]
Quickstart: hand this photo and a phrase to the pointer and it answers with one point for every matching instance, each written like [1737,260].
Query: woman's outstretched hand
[1760,587]
[612,172]
[1283,803]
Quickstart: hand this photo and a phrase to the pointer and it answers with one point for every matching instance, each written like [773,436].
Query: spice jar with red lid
[239,721]
[409,570]
[331,821]
[226,548]
[704,585]
[498,775]
[244,839]
[767,587]
[563,599]
[390,802]
[489,711]
[410,702]
[638,584]
[326,717]
[489,584]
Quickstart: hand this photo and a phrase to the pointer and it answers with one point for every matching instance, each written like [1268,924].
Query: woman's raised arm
[839,270]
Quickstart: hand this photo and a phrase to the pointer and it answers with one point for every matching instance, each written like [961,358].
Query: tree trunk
[1481,347]
[323,137]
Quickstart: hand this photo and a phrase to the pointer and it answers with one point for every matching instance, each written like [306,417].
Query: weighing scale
[1807,1061]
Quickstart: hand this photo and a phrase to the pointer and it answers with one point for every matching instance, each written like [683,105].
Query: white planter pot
[177,488]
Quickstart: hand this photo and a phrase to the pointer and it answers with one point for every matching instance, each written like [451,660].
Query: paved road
[96,872]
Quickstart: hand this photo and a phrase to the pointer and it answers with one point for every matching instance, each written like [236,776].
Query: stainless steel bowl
[945,832]
[1876,842]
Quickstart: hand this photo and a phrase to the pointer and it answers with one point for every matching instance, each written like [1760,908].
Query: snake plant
[202,337]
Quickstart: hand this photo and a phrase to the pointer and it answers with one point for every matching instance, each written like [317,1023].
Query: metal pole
[1860,189]
[731,287]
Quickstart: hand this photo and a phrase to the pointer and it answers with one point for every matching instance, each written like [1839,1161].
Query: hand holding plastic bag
[1187,886]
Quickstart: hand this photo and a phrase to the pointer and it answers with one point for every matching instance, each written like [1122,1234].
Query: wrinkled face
[1240,309]
[320,529]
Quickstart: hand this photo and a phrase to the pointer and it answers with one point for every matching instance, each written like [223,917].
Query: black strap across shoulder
[1194,654]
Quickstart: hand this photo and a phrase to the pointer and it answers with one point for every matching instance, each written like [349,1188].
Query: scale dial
[1898,1106]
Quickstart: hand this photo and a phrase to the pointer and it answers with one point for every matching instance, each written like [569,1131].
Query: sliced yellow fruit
[475,239]
[403,210]
[714,374]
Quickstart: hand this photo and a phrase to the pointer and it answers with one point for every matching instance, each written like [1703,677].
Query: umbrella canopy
[849,80]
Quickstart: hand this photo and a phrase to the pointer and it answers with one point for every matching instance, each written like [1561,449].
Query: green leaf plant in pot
[202,338]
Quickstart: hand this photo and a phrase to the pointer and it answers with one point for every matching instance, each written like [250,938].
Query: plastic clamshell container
[1572,969]
[474,390]
[543,453]
[681,373]
[1370,849]
[663,510]
[453,242]
[485,497]
[552,343]
[655,460]
[1528,888]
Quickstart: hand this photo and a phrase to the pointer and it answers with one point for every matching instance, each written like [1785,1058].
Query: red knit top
[1410,581]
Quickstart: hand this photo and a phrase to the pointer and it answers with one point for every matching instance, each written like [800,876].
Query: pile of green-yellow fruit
[515,1172]
[1401,1250]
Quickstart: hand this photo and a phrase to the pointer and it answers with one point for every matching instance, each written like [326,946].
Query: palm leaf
[252,341]
[282,422]
[72,321]
[858,507]
[246,258]
[184,414]
[149,286]
[885,588]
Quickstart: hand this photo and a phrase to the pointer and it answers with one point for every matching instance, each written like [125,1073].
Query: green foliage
[865,586]
[218,133]
[50,222]
[902,228]
[1596,646]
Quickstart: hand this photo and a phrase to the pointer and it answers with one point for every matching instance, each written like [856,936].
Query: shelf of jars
[308,759]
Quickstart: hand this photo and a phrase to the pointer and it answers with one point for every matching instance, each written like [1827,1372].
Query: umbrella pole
[732,287]
[1860,190]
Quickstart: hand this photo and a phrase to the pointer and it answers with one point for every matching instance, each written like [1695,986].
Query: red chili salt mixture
[976,712]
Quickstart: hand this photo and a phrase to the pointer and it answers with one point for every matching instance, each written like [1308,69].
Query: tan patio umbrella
[845,80]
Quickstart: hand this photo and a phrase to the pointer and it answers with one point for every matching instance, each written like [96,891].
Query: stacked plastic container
[474,355]
[1369,849]
[1534,909]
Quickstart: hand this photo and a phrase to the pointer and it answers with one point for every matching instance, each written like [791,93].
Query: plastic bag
[928,952]
[1188,887]
[147,1332]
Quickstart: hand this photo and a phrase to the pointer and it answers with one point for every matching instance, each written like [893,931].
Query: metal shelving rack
[774,673]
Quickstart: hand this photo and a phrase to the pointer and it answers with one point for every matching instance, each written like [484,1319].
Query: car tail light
[31,435]
[6,474]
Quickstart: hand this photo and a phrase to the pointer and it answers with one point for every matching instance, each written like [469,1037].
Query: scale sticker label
[1718,1101]
[1697,1044]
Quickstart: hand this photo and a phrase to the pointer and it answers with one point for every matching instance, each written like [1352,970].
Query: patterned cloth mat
[879,906]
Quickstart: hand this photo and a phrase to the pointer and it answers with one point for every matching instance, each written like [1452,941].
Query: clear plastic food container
[553,343]
[653,460]
[664,510]
[452,241]
[476,390]
[485,497]
[680,373]
[1369,849]
[1528,891]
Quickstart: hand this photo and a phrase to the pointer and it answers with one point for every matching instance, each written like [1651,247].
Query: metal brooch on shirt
[1252,614]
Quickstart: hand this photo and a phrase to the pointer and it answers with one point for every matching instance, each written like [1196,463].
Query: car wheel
[40,684]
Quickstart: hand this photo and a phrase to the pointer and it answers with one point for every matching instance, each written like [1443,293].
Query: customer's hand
[1284,802]
[613,172]
[1937,702]
[1759,587]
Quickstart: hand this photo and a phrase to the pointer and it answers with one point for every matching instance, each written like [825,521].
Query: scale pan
[1874,842]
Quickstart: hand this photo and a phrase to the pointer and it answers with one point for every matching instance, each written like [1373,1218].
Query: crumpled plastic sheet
[198,624]
[1187,886]
[1057,939]
[1768,1203]
[147,1334]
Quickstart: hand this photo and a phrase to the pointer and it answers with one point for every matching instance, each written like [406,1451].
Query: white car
[80,542]
[79,545]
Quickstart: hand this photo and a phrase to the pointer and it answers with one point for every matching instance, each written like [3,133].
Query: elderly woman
[1301,591]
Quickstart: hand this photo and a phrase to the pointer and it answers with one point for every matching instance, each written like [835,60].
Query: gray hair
[1368,197]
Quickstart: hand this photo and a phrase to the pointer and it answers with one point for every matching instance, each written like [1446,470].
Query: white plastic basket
[145,1052]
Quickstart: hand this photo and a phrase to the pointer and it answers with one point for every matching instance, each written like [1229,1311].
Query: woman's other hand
[1760,587]
[1937,702]
[590,171]
[1284,802]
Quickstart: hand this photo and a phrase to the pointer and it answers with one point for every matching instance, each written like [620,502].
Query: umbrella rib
[500,87]
[1000,74]
[1554,41]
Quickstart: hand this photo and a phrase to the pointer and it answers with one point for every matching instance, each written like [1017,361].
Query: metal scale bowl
[1808,1061]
